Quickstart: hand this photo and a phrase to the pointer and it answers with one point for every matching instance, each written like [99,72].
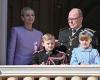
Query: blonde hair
[25,9]
[85,35]
[47,37]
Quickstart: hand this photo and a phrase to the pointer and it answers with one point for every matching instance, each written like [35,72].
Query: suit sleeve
[61,37]
[11,47]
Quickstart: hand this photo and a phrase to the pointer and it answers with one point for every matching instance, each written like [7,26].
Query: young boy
[85,54]
[49,55]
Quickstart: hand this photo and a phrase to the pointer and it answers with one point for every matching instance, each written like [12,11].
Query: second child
[85,54]
[49,55]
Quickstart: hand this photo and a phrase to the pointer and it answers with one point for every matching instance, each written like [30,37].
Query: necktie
[73,31]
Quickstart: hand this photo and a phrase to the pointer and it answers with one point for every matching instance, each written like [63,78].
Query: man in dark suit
[69,36]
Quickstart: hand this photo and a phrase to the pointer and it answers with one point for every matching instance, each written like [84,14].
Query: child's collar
[85,49]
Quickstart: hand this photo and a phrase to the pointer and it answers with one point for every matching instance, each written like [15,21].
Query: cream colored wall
[3,31]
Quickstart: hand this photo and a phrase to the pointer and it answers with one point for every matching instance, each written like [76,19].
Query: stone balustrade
[49,70]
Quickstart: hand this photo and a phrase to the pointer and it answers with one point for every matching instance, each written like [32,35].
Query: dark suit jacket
[42,57]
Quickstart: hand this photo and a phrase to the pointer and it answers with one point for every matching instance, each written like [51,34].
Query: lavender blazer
[22,45]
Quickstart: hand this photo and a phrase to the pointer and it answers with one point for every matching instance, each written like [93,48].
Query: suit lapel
[77,32]
[70,33]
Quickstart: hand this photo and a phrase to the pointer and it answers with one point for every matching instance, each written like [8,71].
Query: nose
[31,16]
[50,44]
[84,41]
[70,21]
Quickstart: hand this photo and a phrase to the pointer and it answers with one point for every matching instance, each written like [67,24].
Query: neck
[78,27]
[28,27]
[49,52]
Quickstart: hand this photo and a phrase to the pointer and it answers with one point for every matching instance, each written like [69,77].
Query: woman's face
[28,17]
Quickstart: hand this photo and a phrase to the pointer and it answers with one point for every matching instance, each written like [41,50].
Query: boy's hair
[47,37]
[25,9]
[85,35]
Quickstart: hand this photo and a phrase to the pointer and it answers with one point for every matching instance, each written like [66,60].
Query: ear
[81,19]
[90,40]
[22,18]
[42,44]
[79,40]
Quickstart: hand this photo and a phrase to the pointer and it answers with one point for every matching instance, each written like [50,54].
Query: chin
[50,49]
[72,27]
[85,47]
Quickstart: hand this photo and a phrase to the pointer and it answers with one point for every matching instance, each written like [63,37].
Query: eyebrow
[74,18]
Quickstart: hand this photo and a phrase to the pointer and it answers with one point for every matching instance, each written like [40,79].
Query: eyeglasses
[74,18]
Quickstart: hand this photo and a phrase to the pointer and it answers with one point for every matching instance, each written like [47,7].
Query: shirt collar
[78,28]
[85,49]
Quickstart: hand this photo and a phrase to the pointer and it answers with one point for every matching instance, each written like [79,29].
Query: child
[49,55]
[85,54]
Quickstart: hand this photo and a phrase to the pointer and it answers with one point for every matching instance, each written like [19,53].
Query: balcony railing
[50,70]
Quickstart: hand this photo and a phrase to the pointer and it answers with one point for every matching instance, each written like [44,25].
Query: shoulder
[94,50]
[64,29]
[40,51]
[76,50]
[38,32]
[17,28]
